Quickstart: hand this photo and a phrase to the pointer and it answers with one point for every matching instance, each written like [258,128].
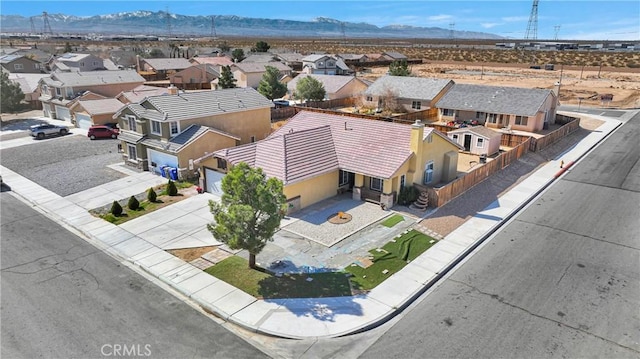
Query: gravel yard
[65,165]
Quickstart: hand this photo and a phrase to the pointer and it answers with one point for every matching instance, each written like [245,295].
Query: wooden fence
[442,195]
[552,137]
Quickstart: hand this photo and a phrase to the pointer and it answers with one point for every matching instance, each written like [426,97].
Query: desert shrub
[133,203]
[171,189]
[116,209]
[151,195]
[407,195]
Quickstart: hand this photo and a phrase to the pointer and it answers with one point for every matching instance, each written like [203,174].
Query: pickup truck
[46,129]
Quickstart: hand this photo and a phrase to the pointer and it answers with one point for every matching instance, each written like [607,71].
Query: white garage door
[213,181]
[83,121]
[62,113]
[157,160]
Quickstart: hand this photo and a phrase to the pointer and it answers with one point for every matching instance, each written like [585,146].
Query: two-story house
[405,93]
[60,88]
[171,131]
[324,65]
[335,86]
[195,77]
[72,62]
[19,64]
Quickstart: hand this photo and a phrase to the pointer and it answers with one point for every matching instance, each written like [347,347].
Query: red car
[99,131]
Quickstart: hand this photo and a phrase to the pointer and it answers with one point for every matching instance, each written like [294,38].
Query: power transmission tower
[344,34]
[213,27]
[47,25]
[532,26]
[33,25]
[556,30]
[168,18]
[452,30]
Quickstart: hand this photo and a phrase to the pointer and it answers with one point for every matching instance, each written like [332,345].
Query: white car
[46,129]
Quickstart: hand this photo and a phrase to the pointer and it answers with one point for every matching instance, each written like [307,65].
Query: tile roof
[140,92]
[248,67]
[314,57]
[200,104]
[91,78]
[183,139]
[28,82]
[264,57]
[5,59]
[478,130]
[72,57]
[312,143]
[104,106]
[494,99]
[350,56]
[177,63]
[213,60]
[408,87]
[290,56]
[331,83]
[290,157]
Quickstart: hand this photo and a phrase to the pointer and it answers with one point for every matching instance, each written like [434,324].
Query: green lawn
[392,257]
[235,271]
[392,220]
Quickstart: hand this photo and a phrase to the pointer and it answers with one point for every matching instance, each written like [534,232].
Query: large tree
[270,85]
[310,89]
[261,46]
[250,210]
[226,80]
[237,55]
[10,94]
[399,68]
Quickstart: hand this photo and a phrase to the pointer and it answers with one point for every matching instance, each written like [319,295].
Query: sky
[569,19]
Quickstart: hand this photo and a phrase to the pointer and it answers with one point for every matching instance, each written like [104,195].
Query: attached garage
[158,160]
[213,181]
[62,113]
[83,121]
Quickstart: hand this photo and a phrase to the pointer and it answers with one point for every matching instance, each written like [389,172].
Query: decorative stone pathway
[201,263]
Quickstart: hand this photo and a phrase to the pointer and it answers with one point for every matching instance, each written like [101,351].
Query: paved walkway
[293,318]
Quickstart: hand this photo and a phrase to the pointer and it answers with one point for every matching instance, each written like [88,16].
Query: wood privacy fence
[552,137]
[442,195]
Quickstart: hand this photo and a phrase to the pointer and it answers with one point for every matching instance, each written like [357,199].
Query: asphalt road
[62,298]
[561,280]
[65,165]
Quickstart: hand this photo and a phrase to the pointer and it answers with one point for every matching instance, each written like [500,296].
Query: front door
[467,142]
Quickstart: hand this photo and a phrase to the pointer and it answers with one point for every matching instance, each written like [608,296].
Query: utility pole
[556,30]
[452,31]
[213,27]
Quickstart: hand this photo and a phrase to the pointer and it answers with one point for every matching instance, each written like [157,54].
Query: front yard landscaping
[392,220]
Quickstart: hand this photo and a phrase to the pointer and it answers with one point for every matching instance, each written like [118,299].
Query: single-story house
[405,92]
[249,74]
[86,113]
[514,108]
[29,85]
[151,131]
[160,68]
[318,155]
[478,140]
[335,86]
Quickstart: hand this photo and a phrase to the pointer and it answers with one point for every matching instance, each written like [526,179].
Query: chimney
[172,90]
[416,144]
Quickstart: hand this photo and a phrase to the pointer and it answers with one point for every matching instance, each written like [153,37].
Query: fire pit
[339,218]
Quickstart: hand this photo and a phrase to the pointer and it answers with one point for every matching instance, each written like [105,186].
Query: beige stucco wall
[208,142]
[313,190]
[353,88]
[433,151]
[243,124]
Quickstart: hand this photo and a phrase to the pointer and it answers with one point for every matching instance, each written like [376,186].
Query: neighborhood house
[405,93]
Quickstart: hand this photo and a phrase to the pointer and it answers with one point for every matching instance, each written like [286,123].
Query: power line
[213,27]
[556,30]
[532,26]
[452,30]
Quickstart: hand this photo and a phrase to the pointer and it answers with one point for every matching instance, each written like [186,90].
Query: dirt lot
[576,83]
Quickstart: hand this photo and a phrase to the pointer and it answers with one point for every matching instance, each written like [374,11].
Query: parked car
[47,129]
[101,131]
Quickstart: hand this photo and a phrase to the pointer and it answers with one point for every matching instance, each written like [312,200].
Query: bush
[151,195]
[408,195]
[109,218]
[116,208]
[171,190]
[133,203]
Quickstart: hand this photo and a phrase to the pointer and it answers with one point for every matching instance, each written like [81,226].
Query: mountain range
[165,24]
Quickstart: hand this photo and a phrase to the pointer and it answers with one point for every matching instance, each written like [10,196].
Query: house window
[222,164]
[429,138]
[58,91]
[343,178]
[428,172]
[492,118]
[156,128]
[18,67]
[131,122]
[521,120]
[370,98]
[82,64]
[252,139]
[416,105]
[330,64]
[480,143]
[455,137]
[133,154]
[447,112]
[481,115]
[402,181]
[95,63]
[375,184]
[175,129]
[320,64]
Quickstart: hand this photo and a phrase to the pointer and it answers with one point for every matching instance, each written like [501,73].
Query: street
[63,298]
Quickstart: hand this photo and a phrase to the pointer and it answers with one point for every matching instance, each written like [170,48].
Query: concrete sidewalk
[291,318]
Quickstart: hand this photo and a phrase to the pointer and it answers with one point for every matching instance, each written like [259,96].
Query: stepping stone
[216,256]
[201,263]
